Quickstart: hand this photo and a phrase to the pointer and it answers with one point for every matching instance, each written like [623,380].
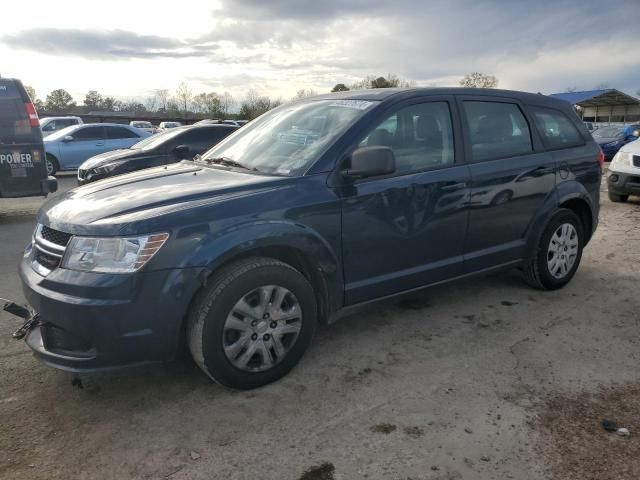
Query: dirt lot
[487,379]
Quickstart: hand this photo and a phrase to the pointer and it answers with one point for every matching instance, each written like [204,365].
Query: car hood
[136,202]
[632,147]
[108,157]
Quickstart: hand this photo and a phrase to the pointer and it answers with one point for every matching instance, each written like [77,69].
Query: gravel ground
[486,379]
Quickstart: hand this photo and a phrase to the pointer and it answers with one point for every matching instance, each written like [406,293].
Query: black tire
[208,315]
[537,272]
[51,160]
[618,198]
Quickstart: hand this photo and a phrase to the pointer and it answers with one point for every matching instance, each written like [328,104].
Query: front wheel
[253,323]
[558,253]
[52,164]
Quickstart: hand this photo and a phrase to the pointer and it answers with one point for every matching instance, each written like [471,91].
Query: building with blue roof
[604,106]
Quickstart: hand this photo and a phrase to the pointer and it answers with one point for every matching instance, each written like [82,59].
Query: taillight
[601,159]
[33,115]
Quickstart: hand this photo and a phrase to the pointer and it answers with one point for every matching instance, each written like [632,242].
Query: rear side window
[497,130]
[89,133]
[119,132]
[14,120]
[556,129]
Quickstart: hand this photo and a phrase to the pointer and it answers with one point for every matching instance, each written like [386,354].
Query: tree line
[183,101]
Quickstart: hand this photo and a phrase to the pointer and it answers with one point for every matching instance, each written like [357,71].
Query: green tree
[390,81]
[227,102]
[208,103]
[254,105]
[479,80]
[108,104]
[31,92]
[93,99]
[340,87]
[302,93]
[59,100]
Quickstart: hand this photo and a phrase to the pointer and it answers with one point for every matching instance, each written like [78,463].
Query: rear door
[120,137]
[22,166]
[511,176]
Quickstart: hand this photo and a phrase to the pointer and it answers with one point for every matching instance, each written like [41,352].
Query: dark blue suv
[319,205]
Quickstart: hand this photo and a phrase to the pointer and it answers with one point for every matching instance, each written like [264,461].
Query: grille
[55,236]
[636,160]
[55,338]
[81,174]
[48,261]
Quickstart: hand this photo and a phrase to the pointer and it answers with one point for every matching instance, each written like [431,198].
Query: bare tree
[184,94]
[208,103]
[227,102]
[302,93]
[151,103]
[479,80]
[163,98]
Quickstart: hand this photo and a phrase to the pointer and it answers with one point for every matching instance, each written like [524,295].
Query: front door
[406,230]
[511,177]
[87,142]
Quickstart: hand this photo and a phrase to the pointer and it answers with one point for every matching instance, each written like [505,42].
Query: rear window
[14,120]
[556,129]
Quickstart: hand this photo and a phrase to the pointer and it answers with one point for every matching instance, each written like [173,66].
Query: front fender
[202,246]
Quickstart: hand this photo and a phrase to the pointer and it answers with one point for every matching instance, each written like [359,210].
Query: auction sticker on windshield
[359,104]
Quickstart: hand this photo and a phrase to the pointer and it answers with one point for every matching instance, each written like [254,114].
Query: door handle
[453,186]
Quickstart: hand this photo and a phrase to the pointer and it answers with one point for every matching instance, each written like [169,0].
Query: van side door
[511,177]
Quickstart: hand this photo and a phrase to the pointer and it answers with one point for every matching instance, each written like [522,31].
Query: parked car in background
[623,178]
[242,122]
[611,138]
[590,126]
[169,146]
[240,254]
[48,125]
[143,125]
[66,149]
[167,125]
[22,168]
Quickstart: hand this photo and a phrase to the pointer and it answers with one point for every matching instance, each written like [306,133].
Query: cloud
[102,44]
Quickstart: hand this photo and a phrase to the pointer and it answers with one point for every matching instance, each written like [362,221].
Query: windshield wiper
[227,162]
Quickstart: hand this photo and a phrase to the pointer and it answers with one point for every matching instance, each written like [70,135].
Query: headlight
[112,255]
[109,167]
[621,159]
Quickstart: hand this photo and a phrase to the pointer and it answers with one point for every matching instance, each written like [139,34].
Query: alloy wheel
[562,251]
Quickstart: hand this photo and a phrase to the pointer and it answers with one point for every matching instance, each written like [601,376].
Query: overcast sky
[128,49]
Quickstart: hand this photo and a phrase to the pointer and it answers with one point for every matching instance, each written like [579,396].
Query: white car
[166,125]
[48,125]
[623,178]
[143,125]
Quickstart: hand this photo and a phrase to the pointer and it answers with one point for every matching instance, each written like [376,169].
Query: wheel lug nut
[266,316]
[273,324]
[254,336]
[266,336]
[254,323]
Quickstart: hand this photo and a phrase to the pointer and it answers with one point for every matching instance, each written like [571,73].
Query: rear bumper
[622,183]
[96,322]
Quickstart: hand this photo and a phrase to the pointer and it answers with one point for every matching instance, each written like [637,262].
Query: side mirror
[67,139]
[371,162]
[182,150]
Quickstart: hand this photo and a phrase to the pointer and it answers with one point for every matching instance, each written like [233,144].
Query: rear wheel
[618,198]
[253,323]
[52,164]
[558,253]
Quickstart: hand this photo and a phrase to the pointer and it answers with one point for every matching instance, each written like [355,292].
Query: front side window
[88,133]
[496,130]
[421,136]
[556,129]
[289,139]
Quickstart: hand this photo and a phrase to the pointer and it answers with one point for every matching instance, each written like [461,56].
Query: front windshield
[607,132]
[154,140]
[287,140]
